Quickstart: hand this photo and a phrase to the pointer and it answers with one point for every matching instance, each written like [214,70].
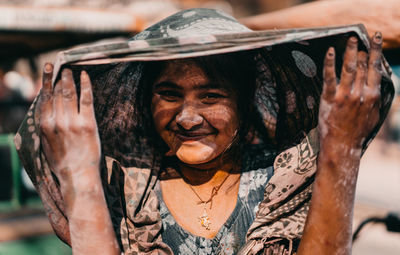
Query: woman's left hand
[348,113]
[350,110]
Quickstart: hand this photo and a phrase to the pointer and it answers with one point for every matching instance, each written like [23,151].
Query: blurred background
[33,31]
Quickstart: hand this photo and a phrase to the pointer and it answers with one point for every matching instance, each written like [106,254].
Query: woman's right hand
[68,127]
[71,144]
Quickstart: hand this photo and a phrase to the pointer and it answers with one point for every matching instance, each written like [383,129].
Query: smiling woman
[195,119]
[213,154]
[201,113]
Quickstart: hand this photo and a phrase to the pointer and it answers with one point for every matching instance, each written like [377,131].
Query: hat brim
[295,57]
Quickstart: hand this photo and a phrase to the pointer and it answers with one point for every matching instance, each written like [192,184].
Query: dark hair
[236,70]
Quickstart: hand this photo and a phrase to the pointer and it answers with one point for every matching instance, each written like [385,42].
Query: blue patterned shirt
[232,234]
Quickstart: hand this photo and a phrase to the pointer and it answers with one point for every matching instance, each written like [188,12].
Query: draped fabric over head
[288,87]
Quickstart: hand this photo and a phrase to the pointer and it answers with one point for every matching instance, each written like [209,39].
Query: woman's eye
[210,98]
[214,95]
[169,95]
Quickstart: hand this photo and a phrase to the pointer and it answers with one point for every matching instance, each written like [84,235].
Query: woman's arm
[376,15]
[71,145]
[348,112]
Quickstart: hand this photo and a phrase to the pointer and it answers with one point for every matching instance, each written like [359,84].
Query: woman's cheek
[224,120]
[163,113]
[172,141]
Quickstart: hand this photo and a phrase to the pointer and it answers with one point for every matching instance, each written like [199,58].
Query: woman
[187,149]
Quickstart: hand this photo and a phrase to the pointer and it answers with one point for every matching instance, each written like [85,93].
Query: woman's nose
[189,118]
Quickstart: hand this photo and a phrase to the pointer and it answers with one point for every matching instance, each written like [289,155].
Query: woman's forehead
[190,72]
[183,73]
[179,66]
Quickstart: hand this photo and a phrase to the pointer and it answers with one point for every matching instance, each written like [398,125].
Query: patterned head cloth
[288,71]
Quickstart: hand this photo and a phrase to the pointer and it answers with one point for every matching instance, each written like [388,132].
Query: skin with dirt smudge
[348,113]
[72,147]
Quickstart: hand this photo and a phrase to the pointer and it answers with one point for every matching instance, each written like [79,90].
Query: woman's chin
[195,154]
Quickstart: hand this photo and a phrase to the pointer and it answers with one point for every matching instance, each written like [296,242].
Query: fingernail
[84,76]
[64,74]
[378,37]
[48,68]
[331,52]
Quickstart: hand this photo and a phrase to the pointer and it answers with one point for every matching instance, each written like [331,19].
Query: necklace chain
[214,192]
[204,219]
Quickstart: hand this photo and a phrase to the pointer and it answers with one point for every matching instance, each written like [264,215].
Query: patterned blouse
[232,234]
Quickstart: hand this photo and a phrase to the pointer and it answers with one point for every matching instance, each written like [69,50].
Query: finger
[58,101]
[374,63]
[361,76]
[330,84]
[46,94]
[69,95]
[47,78]
[86,100]
[349,66]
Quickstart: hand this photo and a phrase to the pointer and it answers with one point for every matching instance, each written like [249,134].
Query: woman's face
[196,117]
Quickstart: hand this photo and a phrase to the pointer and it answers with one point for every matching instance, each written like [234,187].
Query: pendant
[204,219]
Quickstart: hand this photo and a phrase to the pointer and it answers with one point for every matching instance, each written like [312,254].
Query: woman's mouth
[195,136]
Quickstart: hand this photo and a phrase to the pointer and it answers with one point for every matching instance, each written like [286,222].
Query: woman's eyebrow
[208,86]
[167,84]
[172,85]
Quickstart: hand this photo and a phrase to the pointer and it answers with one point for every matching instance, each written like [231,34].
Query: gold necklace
[204,219]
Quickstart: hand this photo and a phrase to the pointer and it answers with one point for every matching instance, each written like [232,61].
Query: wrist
[339,148]
[82,192]
[339,160]
[79,181]
[339,139]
